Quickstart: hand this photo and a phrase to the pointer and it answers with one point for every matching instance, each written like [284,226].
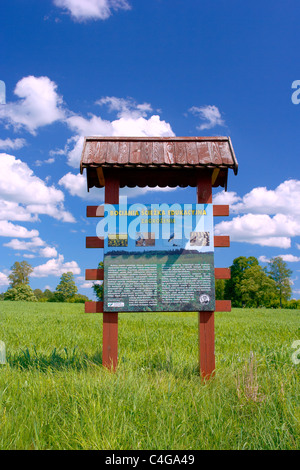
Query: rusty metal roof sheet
[153,153]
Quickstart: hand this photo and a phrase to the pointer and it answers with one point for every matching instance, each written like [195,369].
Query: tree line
[19,288]
[251,285]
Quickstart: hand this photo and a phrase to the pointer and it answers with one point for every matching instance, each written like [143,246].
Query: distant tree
[78,299]
[67,287]
[279,272]
[257,288]
[20,273]
[38,293]
[20,292]
[220,289]
[1,297]
[232,286]
[98,288]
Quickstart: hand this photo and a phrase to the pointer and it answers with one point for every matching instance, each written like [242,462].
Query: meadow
[55,394]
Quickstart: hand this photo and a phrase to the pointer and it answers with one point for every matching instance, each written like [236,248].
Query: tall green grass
[55,394]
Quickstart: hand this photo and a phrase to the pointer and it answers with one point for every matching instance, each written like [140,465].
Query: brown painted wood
[95,274]
[112,152]
[146,153]
[123,153]
[135,152]
[192,153]
[223,306]
[204,188]
[94,242]
[204,157]
[220,210]
[206,330]
[222,273]
[215,155]
[169,157]
[110,320]
[110,340]
[95,211]
[158,153]
[93,307]
[180,153]
[221,241]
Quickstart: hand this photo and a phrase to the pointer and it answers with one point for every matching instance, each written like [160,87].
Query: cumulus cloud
[271,217]
[56,267]
[132,121]
[83,10]
[209,114]
[39,105]
[7,229]
[4,281]
[76,186]
[24,195]
[9,144]
[36,245]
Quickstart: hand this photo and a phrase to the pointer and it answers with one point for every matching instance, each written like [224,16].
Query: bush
[20,292]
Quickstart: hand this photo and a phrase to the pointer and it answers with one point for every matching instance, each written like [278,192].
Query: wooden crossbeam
[98,274]
[94,274]
[97,307]
[98,211]
[221,241]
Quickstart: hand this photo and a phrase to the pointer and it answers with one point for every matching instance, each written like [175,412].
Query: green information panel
[159,257]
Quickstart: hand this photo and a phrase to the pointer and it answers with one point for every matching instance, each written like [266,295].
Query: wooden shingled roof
[168,161]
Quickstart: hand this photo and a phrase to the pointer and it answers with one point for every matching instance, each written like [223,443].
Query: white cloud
[23,195]
[76,186]
[4,281]
[48,252]
[83,10]
[39,104]
[263,259]
[284,199]
[271,217]
[132,122]
[22,245]
[36,245]
[56,267]
[125,107]
[226,197]
[261,229]
[290,258]
[210,114]
[8,144]
[7,229]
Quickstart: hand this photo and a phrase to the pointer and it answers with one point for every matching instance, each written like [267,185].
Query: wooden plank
[180,153]
[96,274]
[191,153]
[221,241]
[100,176]
[222,273]
[215,155]
[203,153]
[204,188]
[94,242]
[206,328]
[223,306]
[93,307]
[158,153]
[95,211]
[225,153]
[123,157]
[220,210]
[112,152]
[110,320]
[146,153]
[169,157]
[135,152]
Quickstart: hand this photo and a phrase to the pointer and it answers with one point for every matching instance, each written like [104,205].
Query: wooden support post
[206,319]
[110,320]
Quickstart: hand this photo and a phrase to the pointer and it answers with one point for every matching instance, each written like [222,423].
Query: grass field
[54,393]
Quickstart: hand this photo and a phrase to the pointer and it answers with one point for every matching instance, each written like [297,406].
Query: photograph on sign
[159,258]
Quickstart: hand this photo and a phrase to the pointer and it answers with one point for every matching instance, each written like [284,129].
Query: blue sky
[158,67]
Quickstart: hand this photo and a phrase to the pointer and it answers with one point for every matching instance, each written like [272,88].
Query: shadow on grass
[25,360]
